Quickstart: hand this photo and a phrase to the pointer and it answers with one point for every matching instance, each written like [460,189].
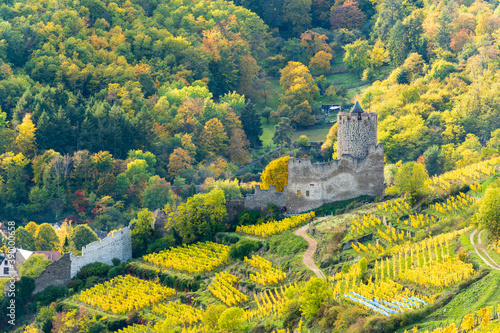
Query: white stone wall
[118,245]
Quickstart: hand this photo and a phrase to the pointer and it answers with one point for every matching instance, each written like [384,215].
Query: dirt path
[307,257]
[480,251]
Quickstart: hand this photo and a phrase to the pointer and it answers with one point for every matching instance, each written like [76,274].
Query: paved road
[307,257]
[481,251]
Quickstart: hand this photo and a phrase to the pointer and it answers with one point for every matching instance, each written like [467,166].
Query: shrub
[94,269]
[50,294]
[97,327]
[228,238]
[91,281]
[115,271]
[161,244]
[247,217]
[76,285]
[243,248]
[291,315]
[115,325]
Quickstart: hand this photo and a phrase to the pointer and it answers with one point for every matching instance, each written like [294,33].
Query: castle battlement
[60,272]
[359,170]
[117,245]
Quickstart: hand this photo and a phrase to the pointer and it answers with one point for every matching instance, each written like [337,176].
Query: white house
[5,268]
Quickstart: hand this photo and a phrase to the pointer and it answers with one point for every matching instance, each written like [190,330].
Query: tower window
[298,192]
[311,184]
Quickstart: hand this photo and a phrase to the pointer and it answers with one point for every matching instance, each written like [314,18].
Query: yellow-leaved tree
[25,140]
[276,173]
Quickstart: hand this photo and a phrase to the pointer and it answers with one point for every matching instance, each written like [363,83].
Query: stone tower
[357,131]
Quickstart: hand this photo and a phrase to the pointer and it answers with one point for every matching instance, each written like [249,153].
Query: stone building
[359,169]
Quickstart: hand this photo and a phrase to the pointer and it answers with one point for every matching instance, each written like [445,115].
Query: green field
[316,133]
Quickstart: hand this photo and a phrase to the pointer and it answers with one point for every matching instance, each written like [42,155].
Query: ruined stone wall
[118,245]
[56,274]
[262,198]
[160,221]
[312,185]
[233,208]
[356,132]
[60,272]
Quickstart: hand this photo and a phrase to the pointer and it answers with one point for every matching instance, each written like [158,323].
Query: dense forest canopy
[108,107]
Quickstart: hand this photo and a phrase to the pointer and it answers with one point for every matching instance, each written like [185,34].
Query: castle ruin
[116,245]
[358,170]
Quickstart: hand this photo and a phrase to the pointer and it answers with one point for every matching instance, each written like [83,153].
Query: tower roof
[357,108]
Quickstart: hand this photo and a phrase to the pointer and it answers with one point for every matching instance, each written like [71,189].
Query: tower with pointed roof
[357,130]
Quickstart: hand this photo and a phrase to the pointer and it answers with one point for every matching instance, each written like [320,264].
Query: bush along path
[307,257]
[481,251]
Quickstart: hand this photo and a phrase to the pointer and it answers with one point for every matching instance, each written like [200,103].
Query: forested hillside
[98,98]
[112,109]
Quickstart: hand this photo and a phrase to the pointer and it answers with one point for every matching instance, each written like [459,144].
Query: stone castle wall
[56,274]
[313,185]
[356,132]
[117,245]
[262,198]
[60,272]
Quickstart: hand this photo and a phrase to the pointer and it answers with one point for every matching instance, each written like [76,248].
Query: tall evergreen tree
[252,124]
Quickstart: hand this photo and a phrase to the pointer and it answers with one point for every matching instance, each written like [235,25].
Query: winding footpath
[307,257]
[480,251]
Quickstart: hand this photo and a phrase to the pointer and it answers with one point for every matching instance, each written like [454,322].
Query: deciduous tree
[231,319]
[200,217]
[149,157]
[303,141]
[411,181]
[157,194]
[348,16]
[24,239]
[488,215]
[142,234]
[81,236]
[276,173]
[299,87]
[46,238]
[282,132]
[357,56]
[315,294]
[137,171]
[320,63]
[378,56]
[34,265]
[178,161]
[238,148]
[297,15]
[213,137]
[25,140]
